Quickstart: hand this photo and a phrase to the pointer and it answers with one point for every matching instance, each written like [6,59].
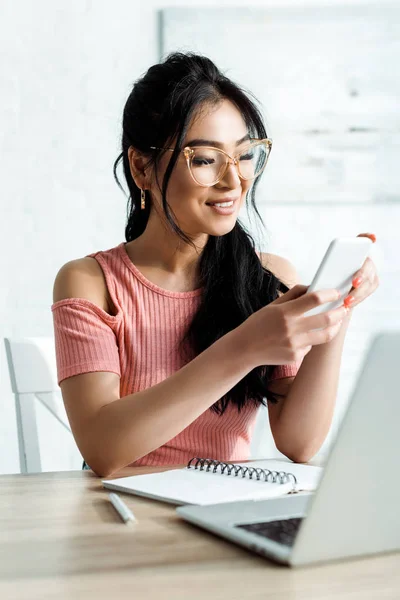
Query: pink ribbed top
[139,343]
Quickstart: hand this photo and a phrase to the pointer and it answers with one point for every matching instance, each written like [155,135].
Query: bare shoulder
[281,267]
[82,278]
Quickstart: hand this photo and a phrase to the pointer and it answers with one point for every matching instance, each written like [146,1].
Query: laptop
[356,508]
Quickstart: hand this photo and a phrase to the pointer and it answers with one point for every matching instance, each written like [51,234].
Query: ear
[137,164]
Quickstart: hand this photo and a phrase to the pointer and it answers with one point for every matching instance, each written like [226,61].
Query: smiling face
[223,127]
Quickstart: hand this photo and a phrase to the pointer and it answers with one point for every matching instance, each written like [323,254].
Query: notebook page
[190,486]
[308,476]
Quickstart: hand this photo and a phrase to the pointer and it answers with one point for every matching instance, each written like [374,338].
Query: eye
[248,156]
[202,161]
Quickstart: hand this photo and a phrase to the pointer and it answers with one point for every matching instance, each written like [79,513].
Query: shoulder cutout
[82,278]
[281,267]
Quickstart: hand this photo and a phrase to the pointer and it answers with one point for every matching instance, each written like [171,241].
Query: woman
[167,344]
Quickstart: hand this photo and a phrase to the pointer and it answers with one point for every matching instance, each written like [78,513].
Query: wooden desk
[61,538]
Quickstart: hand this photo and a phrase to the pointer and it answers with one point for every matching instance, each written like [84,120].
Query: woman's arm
[304,415]
[119,431]
[112,432]
[301,419]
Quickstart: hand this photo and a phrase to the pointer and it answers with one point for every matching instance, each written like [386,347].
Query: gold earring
[142,199]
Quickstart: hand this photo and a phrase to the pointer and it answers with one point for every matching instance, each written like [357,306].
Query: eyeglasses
[208,165]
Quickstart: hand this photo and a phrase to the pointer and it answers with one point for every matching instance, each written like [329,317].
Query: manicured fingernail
[357,281]
[373,237]
[348,301]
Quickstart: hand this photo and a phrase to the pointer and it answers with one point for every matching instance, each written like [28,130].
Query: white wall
[67,69]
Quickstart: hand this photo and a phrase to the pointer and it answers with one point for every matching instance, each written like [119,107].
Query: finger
[295,292]
[371,236]
[364,284]
[312,300]
[367,271]
[322,320]
[323,336]
[359,295]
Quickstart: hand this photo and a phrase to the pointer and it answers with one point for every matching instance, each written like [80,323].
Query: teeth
[222,204]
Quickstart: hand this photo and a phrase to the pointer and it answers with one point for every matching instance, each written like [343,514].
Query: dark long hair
[160,108]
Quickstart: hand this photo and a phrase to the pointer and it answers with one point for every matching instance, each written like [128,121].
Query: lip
[227,199]
[224,211]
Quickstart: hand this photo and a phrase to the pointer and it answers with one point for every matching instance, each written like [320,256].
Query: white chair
[44,436]
[262,443]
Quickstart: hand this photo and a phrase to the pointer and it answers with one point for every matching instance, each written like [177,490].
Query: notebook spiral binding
[208,464]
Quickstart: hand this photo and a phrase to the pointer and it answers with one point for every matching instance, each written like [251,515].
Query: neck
[160,247]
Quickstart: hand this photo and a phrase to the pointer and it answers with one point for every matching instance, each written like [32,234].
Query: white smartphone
[343,258]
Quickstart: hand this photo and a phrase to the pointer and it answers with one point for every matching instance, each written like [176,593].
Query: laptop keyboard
[283,531]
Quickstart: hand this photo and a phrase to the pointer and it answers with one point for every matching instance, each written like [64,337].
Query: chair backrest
[262,443]
[44,436]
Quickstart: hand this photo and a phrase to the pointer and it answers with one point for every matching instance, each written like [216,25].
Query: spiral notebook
[207,481]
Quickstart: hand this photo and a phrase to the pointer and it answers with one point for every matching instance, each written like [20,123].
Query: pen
[126,515]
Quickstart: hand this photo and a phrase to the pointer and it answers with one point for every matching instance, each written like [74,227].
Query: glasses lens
[207,165]
[253,160]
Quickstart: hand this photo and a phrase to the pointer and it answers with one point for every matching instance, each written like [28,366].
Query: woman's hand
[279,333]
[365,281]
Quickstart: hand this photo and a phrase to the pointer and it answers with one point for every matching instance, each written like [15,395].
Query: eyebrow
[201,142]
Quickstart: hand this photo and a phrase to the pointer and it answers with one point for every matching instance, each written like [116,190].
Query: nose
[231,177]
